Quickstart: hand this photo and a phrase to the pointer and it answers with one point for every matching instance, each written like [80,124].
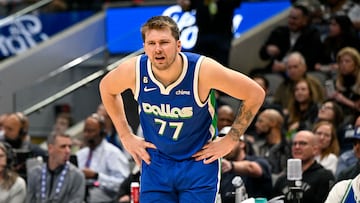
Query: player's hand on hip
[215,149]
[136,146]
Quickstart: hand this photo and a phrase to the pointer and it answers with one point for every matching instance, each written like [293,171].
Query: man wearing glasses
[316,181]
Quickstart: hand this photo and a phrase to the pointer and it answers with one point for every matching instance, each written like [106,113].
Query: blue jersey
[173,118]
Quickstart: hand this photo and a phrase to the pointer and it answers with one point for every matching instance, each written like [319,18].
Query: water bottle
[240,190]
[134,190]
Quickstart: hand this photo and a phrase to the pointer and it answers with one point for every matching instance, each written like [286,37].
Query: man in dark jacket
[316,181]
[298,36]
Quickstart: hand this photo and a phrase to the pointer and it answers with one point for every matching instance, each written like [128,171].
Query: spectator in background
[331,111]
[16,126]
[268,104]
[352,171]
[347,83]
[351,8]
[297,36]
[254,171]
[63,122]
[269,100]
[264,83]
[101,162]
[316,181]
[303,106]
[58,180]
[329,149]
[12,186]
[341,34]
[215,22]
[111,134]
[225,116]
[295,70]
[276,148]
[347,157]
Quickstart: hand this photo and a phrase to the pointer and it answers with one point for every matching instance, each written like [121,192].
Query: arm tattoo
[242,121]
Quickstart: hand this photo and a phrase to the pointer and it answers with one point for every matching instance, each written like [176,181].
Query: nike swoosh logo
[146,89]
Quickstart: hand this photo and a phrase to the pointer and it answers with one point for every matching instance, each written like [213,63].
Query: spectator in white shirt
[104,165]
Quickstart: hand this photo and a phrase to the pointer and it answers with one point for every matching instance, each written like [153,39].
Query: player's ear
[179,45]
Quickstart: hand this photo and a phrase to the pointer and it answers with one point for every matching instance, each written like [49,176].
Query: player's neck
[170,75]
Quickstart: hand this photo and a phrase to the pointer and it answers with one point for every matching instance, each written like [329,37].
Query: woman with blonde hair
[12,186]
[328,145]
[347,83]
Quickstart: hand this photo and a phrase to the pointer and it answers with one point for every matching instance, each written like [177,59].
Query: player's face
[161,48]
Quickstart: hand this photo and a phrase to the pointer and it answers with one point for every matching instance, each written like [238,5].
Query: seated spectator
[16,126]
[101,162]
[225,116]
[316,181]
[347,83]
[111,134]
[12,186]
[275,149]
[348,158]
[58,180]
[265,84]
[297,36]
[254,171]
[353,170]
[351,8]
[329,149]
[63,122]
[341,34]
[295,70]
[268,104]
[330,111]
[302,106]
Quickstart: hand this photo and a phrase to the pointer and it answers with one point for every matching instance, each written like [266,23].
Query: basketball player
[179,152]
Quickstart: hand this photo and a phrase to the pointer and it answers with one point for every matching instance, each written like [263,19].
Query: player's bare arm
[111,87]
[215,76]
